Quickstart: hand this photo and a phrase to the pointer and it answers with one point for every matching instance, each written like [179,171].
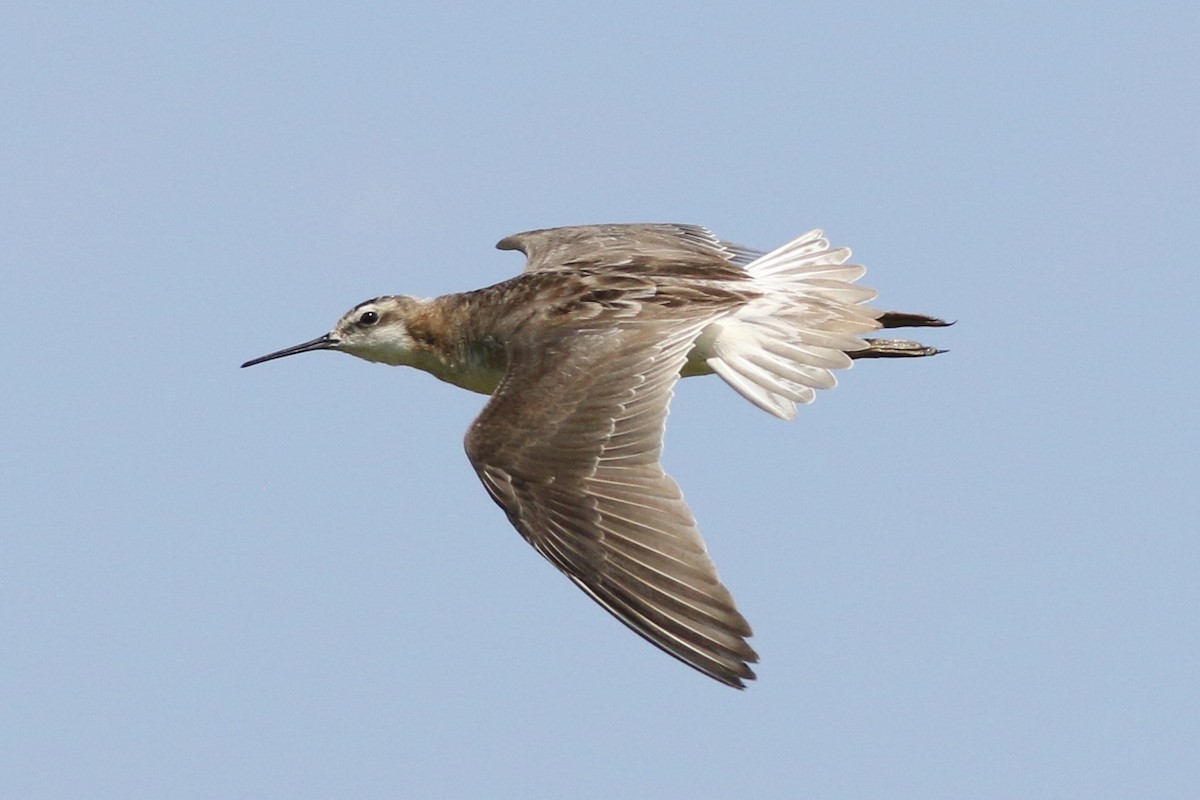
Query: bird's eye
[368,318]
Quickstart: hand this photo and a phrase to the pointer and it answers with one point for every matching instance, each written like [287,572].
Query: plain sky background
[975,576]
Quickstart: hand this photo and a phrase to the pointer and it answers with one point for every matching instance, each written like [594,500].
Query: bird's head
[375,330]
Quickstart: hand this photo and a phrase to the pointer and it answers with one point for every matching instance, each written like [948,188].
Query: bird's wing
[569,447]
[609,245]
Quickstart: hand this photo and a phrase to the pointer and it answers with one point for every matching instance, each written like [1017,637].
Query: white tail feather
[778,349]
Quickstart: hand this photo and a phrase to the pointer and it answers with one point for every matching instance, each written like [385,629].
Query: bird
[580,353]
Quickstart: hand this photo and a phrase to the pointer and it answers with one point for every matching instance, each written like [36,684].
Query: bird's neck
[456,341]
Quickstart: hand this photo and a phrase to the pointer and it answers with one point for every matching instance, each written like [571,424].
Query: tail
[778,349]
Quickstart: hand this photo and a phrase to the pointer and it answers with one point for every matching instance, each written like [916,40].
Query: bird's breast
[477,372]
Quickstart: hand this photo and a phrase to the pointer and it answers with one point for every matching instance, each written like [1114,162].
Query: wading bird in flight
[580,354]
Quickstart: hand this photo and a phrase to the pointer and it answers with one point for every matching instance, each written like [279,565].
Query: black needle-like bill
[326,342]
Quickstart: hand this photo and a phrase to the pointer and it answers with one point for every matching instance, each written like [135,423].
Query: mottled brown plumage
[581,352]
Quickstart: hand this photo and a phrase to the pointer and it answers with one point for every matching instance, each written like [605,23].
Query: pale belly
[702,350]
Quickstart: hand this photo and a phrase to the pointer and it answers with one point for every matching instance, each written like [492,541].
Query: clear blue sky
[972,576]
